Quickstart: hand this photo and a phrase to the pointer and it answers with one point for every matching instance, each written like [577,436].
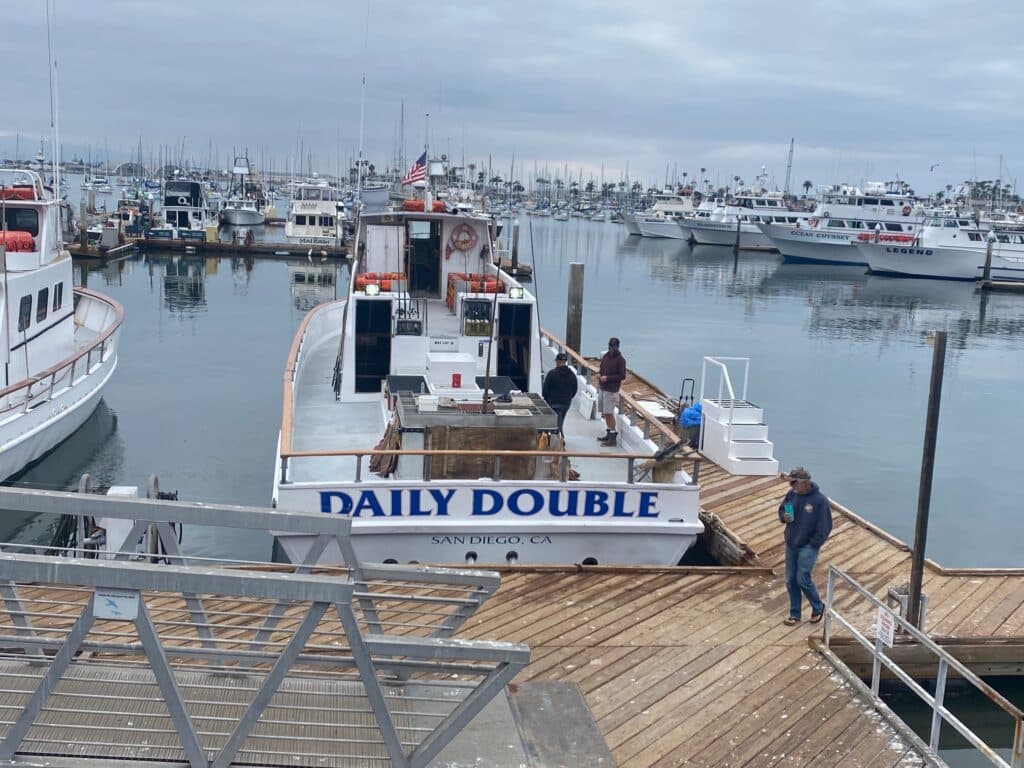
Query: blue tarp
[691,416]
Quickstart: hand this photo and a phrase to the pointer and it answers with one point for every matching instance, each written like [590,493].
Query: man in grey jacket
[808,518]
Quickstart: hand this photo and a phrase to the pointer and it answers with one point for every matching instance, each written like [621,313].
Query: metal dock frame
[114,627]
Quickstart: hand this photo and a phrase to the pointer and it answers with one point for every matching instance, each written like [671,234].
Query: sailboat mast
[789,169]
[53,103]
[359,162]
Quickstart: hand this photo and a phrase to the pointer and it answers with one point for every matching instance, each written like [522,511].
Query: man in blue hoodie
[808,518]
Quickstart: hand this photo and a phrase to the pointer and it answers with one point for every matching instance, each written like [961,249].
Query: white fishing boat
[747,211]
[437,355]
[246,203]
[662,219]
[844,214]
[950,249]
[316,215]
[60,344]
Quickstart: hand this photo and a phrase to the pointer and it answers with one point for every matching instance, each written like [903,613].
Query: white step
[765,467]
[741,411]
[750,449]
[749,432]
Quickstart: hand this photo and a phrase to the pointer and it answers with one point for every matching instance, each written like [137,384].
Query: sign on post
[116,604]
[886,625]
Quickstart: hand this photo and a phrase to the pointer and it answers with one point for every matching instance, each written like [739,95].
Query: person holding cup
[807,515]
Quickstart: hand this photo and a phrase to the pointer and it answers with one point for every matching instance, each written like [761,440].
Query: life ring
[826,214]
[906,210]
[182,200]
[463,238]
[813,222]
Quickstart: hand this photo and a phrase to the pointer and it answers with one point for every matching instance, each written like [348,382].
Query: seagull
[934,166]
[309,256]
[323,255]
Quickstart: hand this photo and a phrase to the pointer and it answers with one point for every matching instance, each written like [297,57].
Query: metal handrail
[68,363]
[946,662]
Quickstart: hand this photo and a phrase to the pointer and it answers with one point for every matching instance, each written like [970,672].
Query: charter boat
[246,203]
[950,249]
[845,214]
[60,344]
[316,215]
[437,356]
[747,211]
[662,219]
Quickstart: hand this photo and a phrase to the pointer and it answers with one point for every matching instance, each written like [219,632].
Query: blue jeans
[799,564]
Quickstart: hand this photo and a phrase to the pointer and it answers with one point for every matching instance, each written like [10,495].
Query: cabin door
[425,259]
[513,339]
[373,343]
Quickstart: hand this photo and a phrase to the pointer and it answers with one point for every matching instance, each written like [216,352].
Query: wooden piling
[574,307]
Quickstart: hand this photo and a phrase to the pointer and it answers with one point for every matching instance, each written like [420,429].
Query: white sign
[444,343]
[116,604]
[886,624]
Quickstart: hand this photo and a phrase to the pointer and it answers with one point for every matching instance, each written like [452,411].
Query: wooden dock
[261,250]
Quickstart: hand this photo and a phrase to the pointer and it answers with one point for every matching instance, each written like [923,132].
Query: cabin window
[856,224]
[870,201]
[300,219]
[837,223]
[792,219]
[58,296]
[893,227]
[889,203]
[25,312]
[326,221]
[42,304]
[22,220]
[1003,238]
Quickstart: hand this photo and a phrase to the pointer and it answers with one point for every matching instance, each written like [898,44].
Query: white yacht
[950,249]
[316,215]
[749,210]
[246,202]
[844,214]
[662,218]
[61,343]
[186,212]
[435,353]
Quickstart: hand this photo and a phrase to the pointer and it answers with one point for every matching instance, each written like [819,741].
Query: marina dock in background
[258,249]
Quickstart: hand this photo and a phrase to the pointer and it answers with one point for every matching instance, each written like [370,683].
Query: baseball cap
[561,356]
[799,473]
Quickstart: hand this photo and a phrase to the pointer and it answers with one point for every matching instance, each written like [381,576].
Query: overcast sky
[869,90]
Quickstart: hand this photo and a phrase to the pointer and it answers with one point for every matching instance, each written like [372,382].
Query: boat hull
[711,233]
[28,436]
[808,246]
[938,263]
[242,217]
[629,219]
[668,228]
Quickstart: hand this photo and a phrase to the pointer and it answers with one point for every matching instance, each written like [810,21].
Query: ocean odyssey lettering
[483,502]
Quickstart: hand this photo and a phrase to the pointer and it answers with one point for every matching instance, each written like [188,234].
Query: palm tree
[807,186]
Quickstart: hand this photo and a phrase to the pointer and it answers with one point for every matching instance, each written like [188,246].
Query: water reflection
[313,283]
[182,281]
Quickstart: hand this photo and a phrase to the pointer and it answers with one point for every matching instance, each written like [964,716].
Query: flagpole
[427,201]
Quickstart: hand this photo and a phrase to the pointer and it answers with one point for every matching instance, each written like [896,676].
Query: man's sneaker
[608,440]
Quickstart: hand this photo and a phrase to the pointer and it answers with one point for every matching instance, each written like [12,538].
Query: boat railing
[39,388]
[725,387]
[880,613]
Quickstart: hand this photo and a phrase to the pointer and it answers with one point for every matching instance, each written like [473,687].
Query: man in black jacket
[808,517]
[560,388]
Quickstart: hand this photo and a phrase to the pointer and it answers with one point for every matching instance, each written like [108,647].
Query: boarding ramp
[391,598]
[109,663]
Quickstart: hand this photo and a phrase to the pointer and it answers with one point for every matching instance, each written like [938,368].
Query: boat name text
[482,502]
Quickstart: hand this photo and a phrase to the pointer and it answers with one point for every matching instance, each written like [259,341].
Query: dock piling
[574,307]
[515,248]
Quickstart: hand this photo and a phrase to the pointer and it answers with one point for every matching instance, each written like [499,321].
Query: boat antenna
[359,162]
[51,67]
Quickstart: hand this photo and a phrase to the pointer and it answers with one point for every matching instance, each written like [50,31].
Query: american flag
[418,172]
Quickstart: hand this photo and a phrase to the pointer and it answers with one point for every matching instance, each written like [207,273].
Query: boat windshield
[315,193]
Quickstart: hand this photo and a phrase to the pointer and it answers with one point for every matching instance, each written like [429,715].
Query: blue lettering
[480,498]
[368,503]
[648,504]
[396,502]
[326,504]
[536,499]
[595,504]
[442,498]
[620,503]
[415,510]
[556,510]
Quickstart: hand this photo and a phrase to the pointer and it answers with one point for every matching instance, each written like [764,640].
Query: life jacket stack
[437,206]
[385,280]
[17,242]
[471,282]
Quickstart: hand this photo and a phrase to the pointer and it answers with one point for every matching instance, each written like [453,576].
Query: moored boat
[61,344]
[437,356]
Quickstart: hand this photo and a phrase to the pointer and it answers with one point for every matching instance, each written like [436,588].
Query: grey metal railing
[946,662]
[123,670]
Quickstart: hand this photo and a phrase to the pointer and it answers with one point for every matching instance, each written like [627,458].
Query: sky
[927,91]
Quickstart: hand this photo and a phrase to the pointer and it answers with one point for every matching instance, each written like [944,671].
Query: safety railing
[725,387]
[946,663]
[39,388]
[418,599]
[118,668]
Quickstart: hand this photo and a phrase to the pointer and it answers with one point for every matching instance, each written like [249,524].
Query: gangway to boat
[114,657]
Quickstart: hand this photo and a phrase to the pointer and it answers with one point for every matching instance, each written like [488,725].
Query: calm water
[840,362]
